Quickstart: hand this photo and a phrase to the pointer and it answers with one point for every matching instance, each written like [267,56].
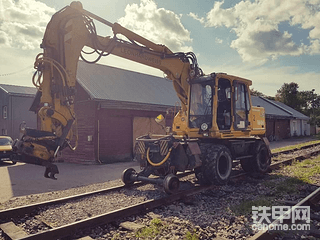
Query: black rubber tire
[199,172]
[13,161]
[261,159]
[126,176]
[218,166]
[171,184]
[246,165]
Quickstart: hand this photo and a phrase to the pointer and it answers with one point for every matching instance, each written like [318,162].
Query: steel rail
[21,210]
[68,230]
[295,149]
[268,235]
[29,208]
[106,218]
[299,157]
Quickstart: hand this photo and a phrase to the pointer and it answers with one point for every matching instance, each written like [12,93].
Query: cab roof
[232,78]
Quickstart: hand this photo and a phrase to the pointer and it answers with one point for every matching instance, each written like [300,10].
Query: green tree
[289,95]
[256,93]
[306,102]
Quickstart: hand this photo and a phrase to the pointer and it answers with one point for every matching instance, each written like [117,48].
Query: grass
[298,146]
[191,236]
[293,176]
[289,185]
[305,170]
[286,181]
[245,207]
[155,228]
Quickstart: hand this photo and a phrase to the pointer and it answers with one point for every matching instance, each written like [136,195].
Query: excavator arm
[69,31]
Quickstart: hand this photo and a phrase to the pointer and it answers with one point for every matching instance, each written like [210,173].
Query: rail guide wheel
[171,183]
[126,176]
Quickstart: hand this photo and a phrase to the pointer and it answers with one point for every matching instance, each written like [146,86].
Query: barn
[282,120]
[15,102]
[113,107]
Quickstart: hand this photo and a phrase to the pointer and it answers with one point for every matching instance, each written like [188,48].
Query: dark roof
[18,90]
[294,112]
[125,89]
[119,88]
[277,109]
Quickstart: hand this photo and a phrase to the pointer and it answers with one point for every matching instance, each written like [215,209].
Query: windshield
[5,141]
[200,104]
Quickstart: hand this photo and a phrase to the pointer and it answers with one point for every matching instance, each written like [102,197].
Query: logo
[281,218]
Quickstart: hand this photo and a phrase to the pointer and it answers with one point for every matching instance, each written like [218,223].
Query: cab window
[241,105]
[200,104]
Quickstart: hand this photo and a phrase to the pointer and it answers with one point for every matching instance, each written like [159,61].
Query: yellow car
[6,148]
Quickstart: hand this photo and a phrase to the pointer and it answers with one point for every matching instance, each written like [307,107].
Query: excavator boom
[216,124]
[69,31]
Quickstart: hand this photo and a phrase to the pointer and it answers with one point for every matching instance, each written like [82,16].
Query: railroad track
[52,232]
[311,200]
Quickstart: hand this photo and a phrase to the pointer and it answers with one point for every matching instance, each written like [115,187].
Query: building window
[4,132]
[4,112]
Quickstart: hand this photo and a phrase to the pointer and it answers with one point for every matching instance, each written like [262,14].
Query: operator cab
[201,102]
[224,104]
[232,99]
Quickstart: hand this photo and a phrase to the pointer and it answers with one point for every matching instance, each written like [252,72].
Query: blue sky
[270,42]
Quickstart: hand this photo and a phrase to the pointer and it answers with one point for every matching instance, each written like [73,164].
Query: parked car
[6,148]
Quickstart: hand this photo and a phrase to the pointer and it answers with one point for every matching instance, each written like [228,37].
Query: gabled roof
[294,112]
[119,88]
[18,90]
[116,85]
[277,109]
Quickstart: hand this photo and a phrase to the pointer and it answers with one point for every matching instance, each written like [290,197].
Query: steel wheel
[171,184]
[126,176]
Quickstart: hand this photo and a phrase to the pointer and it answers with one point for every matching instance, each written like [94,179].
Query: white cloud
[256,24]
[314,47]
[196,17]
[22,23]
[268,79]
[218,17]
[218,40]
[4,39]
[157,25]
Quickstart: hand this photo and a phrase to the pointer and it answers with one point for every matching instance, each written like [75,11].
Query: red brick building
[113,107]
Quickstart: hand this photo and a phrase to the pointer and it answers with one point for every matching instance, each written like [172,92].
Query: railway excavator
[215,126]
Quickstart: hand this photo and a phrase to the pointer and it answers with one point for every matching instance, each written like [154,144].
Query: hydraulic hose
[160,163]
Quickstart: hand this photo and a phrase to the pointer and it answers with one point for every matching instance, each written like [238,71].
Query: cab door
[241,105]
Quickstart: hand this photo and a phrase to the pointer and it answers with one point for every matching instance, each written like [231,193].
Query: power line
[12,73]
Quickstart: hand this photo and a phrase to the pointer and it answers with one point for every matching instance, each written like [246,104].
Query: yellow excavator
[215,126]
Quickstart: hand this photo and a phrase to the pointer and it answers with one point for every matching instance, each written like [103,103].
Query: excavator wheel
[259,163]
[246,165]
[261,159]
[126,176]
[12,159]
[171,183]
[199,172]
[218,164]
